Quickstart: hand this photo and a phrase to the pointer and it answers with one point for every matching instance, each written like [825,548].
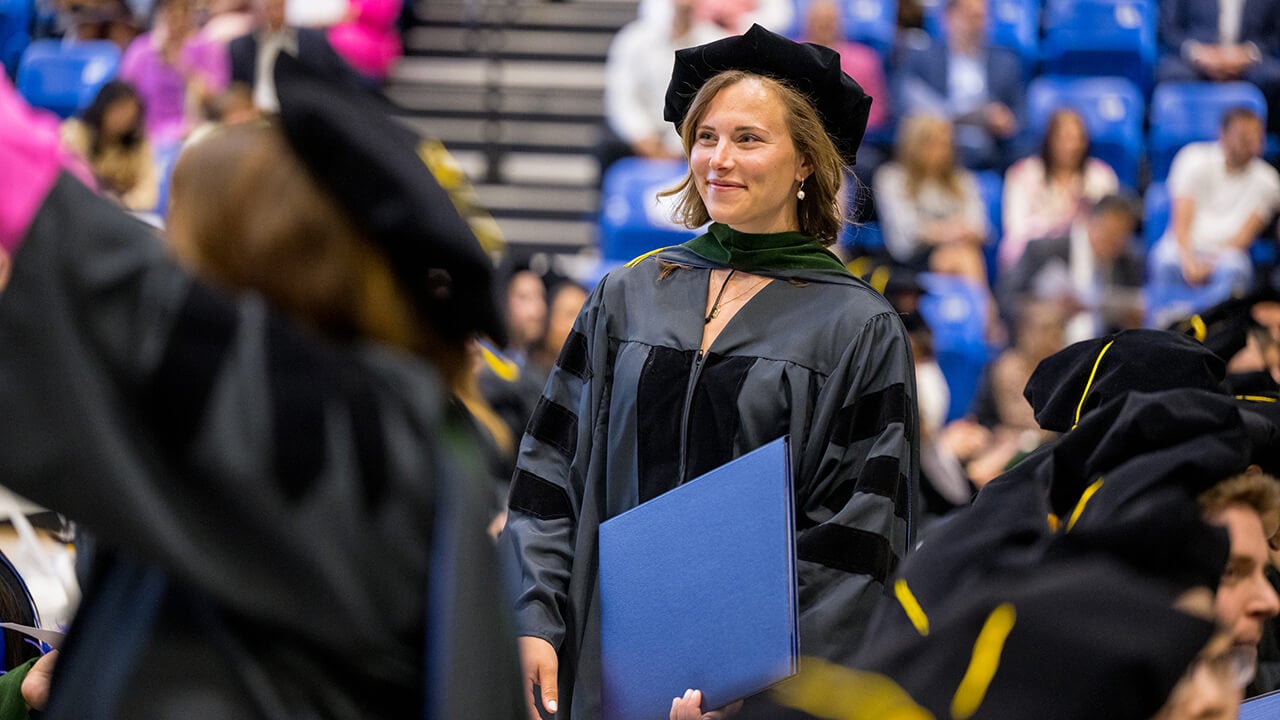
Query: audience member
[252,56]
[732,16]
[112,139]
[564,302]
[930,211]
[111,20]
[1045,194]
[979,88]
[1222,40]
[1091,273]
[637,71]
[228,20]
[526,313]
[1223,195]
[367,37]
[174,72]
[999,405]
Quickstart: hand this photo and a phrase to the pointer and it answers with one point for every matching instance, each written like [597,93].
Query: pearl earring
[800,192]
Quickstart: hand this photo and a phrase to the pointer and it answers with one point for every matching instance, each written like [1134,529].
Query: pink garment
[369,41]
[864,65]
[163,87]
[32,155]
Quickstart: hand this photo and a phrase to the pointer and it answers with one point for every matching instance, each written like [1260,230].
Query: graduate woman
[693,355]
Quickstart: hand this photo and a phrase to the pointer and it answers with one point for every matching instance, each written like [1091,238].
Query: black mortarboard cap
[1068,384]
[811,69]
[370,164]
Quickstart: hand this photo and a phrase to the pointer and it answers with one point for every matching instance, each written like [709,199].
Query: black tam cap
[370,163]
[813,70]
[1068,384]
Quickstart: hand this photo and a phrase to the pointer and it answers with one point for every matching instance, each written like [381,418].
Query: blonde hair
[1257,491]
[820,214]
[913,139]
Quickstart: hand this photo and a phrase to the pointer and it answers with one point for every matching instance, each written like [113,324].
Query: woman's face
[120,118]
[744,163]
[937,153]
[1068,143]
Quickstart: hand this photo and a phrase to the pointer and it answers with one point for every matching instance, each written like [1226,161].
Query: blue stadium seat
[991,187]
[1156,208]
[15,32]
[1015,25]
[1186,112]
[1112,108]
[632,222]
[956,312]
[1101,37]
[65,78]
[862,238]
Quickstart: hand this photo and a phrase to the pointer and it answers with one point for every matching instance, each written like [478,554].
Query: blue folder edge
[1260,707]
[698,589]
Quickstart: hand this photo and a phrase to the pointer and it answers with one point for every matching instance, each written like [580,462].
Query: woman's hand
[35,686]
[689,707]
[540,666]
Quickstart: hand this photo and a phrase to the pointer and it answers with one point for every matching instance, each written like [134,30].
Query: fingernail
[688,694]
[551,705]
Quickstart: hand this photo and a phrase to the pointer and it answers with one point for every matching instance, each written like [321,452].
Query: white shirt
[1223,200]
[1230,15]
[637,72]
[264,83]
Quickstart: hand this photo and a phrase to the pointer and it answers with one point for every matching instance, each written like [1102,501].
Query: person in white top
[1223,196]
[637,70]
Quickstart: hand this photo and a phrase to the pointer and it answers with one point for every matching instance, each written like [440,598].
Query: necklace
[715,306]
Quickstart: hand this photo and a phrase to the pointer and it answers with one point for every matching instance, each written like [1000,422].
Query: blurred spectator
[999,404]
[930,210]
[253,56]
[1091,273]
[367,37]
[526,313]
[233,107]
[1045,193]
[734,16]
[174,71]
[1222,41]
[979,88]
[1223,196]
[96,20]
[563,304]
[112,139]
[637,71]
[823,26]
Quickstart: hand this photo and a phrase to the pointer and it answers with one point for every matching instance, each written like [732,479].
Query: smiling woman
[696,354]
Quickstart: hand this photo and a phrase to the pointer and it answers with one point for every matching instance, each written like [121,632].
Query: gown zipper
[684,416]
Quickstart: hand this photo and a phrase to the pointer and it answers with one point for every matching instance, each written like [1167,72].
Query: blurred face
[526,307]
[937,151]
[120,118]
[271,13]
[1040,334]
[565,307]
[1109,235]
[967,21]
[744,163]
[822,26]
[1245,598]
[1069,141]
[1242,141]
[1212,687]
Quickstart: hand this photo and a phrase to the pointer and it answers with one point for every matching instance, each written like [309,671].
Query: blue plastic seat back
[1156,209]
[632,220]
[1112,109]
[1186,112]
[65,78]
[991,188]
[955,310]
[1014,25]
[1101,37]
[16,17]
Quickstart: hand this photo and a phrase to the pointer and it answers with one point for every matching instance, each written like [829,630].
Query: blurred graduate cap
[811,69]
[372,165]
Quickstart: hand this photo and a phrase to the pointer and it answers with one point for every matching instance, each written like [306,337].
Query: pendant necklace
[715,306]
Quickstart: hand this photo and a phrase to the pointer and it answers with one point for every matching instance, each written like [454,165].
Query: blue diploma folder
[698,590]
[1262,707]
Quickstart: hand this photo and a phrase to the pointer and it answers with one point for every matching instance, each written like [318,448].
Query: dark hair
[1115,203]
[110,94]
[1238,112]
[1058,117]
